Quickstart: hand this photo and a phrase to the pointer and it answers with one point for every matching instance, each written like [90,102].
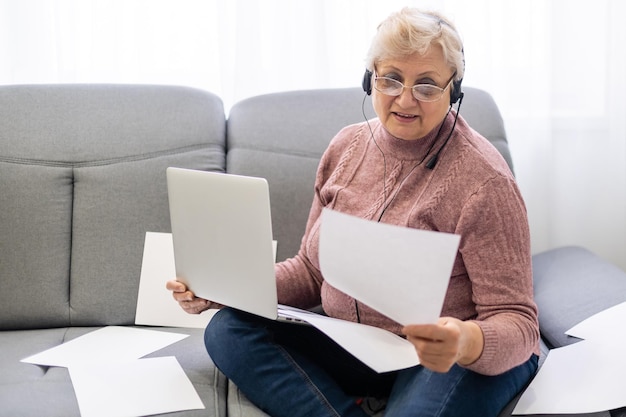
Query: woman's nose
[406,98]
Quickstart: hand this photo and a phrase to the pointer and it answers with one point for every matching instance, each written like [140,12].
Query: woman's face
[403,116]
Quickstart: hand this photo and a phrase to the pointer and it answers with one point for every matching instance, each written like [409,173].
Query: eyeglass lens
[422,92]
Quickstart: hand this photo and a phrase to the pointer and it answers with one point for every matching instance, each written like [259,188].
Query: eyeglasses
[421,92]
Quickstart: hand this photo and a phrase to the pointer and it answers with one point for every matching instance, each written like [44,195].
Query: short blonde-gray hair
[411,30]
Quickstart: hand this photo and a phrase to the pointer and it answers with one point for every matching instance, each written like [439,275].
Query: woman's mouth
[405,116]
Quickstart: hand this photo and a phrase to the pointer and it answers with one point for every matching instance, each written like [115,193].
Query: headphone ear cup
[456,92]
[367,82]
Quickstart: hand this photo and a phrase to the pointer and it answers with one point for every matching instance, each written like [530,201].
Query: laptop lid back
[222,235]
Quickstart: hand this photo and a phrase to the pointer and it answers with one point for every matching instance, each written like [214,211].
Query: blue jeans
[295,370]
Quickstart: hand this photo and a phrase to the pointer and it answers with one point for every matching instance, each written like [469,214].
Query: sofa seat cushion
[572,284]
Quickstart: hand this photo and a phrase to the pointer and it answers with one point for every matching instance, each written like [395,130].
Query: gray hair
[412,31]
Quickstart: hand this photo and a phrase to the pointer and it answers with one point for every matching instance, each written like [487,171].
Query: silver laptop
[222,235]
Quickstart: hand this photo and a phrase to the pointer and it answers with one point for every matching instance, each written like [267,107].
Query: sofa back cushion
[82,179]
[282,136]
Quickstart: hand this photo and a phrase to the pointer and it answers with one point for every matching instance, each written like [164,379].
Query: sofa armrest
[571,284]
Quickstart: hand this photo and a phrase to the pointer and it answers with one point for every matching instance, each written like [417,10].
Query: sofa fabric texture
[82,179]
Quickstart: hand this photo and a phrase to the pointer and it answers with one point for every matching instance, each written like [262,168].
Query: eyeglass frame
[413,88]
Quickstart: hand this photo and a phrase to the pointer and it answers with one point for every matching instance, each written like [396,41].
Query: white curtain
[557,69]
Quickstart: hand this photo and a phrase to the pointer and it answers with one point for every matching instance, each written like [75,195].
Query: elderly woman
[418,164]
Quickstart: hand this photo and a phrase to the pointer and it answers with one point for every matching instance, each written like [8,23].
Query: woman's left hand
[439,346]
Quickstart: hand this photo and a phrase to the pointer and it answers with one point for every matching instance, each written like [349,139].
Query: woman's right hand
[187,299]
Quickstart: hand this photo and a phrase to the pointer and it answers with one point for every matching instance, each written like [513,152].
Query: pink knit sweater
[470,192]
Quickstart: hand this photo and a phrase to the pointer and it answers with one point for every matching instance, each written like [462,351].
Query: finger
[195,306]
[432,332]
[175,286]
[437,356]
[186,296]
[437,365]
[435,346]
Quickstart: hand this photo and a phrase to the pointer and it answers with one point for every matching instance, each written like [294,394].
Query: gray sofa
[82,179]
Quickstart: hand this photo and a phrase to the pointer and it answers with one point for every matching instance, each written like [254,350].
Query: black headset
[455,95]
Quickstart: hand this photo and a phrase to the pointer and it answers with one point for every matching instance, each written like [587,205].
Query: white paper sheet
[585,377]
[155,304]
[401,272]
[609,323]
[379,349]
[135,388]
[106,345]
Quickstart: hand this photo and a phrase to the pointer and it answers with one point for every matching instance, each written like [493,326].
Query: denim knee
[231,336]
[218,335]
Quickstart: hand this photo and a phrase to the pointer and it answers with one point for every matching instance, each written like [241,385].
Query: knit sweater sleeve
[495,249]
